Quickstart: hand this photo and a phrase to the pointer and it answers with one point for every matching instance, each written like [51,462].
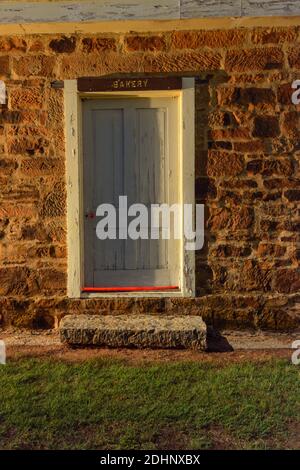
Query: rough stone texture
[247,172]
[200,39]
[63,44]
[266,126]
[275,35]
[4,66]
[99,44]
[139,331]
[254,59]
[145,43]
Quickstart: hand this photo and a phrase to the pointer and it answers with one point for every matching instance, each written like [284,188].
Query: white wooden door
[130,148]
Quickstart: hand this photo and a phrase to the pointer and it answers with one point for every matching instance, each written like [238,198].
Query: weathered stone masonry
[247,171]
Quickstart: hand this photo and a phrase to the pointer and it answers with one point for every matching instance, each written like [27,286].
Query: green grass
[104,404]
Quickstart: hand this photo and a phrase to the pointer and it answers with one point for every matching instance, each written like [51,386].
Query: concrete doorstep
[139,331]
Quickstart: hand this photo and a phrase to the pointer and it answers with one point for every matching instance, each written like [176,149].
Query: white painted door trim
[74,175]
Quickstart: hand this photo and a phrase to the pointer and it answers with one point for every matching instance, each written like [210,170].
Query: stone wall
[247,171]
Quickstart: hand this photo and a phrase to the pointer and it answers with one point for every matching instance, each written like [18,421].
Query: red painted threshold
[128,289]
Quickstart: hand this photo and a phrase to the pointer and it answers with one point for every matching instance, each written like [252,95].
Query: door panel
[108,170]
[130,148]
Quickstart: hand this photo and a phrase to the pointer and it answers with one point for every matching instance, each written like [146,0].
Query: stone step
[139,331]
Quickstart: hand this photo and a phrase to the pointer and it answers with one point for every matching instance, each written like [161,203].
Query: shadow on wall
[207,113]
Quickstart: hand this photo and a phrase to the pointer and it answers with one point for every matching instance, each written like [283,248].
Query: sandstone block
[270,249]
[284,93]
[55,202]
[265,58]
[224,164]
[52,281]
[8,166]
[252,276]
[292,195]
[274,183]
[14,281]
[99,44]
[11,209]
[217,119]
[287,280]
[63,45]
[41,167]
[247,96]
[26,140]
[237,218]
[145,43]
[23,98]
[281,167]
[274,35]
[266,126]
[293,55]
[13,45]
[239,133]
[140,331]
[4,65]
[250,146]
[227,251]
[95,64]
[10,117]
[36,45]
[256,96]
[184,62]
[20,193]
[291,124]
[213,39]
[39,65]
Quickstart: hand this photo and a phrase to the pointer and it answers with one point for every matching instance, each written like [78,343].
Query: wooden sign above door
[137,83]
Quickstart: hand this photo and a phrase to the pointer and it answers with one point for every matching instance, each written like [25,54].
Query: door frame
[74,177]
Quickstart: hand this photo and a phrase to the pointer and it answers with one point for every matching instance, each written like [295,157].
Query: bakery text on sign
[118,84]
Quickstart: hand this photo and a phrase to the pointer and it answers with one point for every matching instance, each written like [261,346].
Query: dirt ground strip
[227,346]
